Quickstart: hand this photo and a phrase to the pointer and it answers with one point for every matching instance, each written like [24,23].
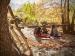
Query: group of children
[43,32]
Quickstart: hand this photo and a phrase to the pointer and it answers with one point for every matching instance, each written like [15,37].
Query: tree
[69,27]
[72,23]
[5,38]
[28,11]
[72,19]
[6,48]
[65,16]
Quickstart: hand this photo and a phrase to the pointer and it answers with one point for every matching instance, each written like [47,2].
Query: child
[54,31]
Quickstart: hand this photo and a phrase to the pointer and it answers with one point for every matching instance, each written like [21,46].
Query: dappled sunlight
[42,27]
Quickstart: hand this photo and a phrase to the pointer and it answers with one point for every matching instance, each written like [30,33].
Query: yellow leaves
[47,14]
[39,13]
[52,13]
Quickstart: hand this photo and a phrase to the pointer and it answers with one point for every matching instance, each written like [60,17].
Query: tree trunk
[65,17]
[72,23]
[5,38]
